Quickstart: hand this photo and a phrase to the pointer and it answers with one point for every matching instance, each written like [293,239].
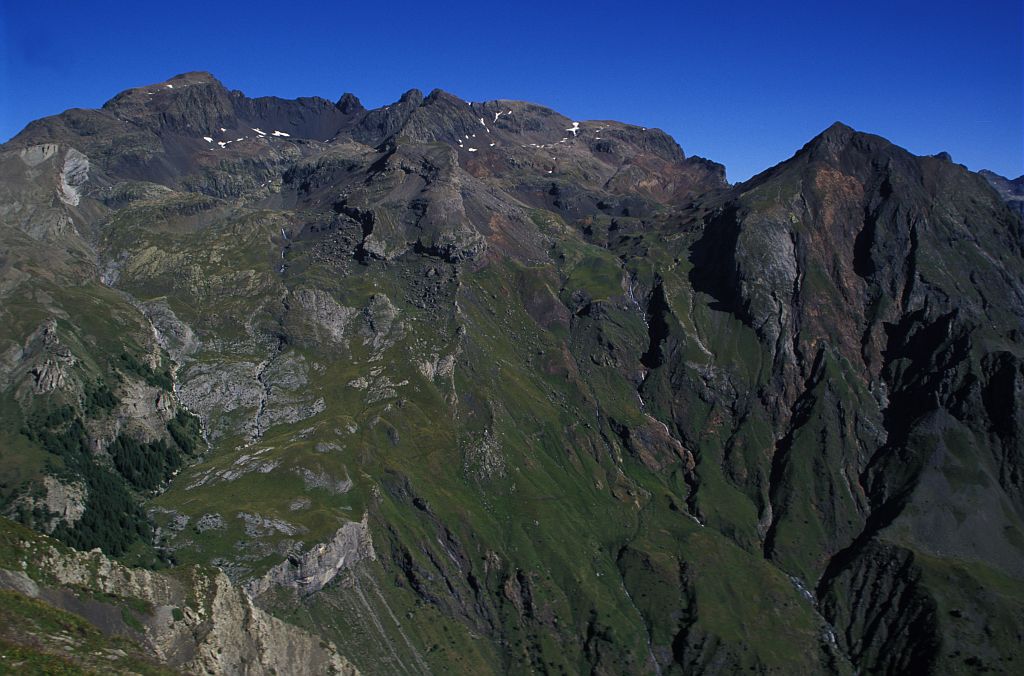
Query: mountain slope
[474,386]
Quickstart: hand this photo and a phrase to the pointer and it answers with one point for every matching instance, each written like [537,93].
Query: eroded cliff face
[192,620]
[473,386]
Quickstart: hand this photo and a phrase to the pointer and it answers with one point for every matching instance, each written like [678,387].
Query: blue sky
[743,83]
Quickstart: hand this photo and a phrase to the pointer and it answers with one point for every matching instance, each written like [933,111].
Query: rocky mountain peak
[829,145]
[437,94]
[413,97]
[190,103]
[350,104]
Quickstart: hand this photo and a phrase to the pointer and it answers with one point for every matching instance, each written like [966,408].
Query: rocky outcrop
[73,176]
[196,621]
[322,320]
[247,396]
[314,569]
[62,502]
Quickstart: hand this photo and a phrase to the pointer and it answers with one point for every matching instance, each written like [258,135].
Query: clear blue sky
[744,83]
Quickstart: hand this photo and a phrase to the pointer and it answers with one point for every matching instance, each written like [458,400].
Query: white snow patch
[169,86]
[575,128]
[259,131]
[279,133]
[493,144]
[472,150]
[223,129]
[208,139]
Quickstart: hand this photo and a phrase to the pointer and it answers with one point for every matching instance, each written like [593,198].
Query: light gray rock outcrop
[200,623]
[312,571]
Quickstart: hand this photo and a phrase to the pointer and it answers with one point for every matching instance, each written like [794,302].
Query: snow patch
[208,139]
[279,133]
[259,131]
[575,128]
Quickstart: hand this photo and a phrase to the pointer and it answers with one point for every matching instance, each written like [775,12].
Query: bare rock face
[47,360]
[216,390]
[63,502]
[324,318]
[172,334]
[237,396]
[314,569]
[322,480]
[73,176]
[197,622]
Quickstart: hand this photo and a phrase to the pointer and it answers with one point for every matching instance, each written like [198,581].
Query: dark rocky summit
[475,387]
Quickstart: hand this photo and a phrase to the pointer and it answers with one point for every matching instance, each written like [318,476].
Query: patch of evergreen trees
[185,431]
[113,519]
[161,379]
[98,398]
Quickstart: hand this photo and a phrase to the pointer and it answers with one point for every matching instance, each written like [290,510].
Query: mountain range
[473,387]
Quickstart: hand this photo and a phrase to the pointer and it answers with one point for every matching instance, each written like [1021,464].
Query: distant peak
[831,141]
[837,131]
[194,78]
[177,83]
[442,95]
[838,127]
[414,96]
[349,103]
[196,75]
